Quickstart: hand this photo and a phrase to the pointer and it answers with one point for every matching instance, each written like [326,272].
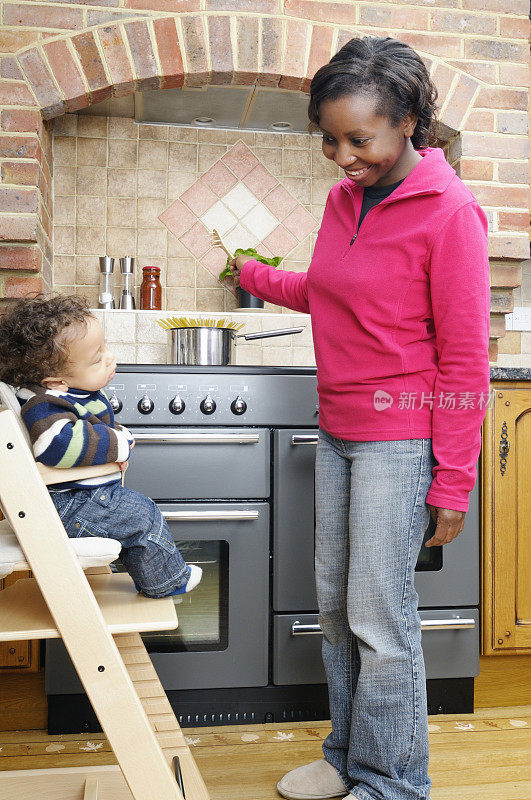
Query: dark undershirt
[372,195]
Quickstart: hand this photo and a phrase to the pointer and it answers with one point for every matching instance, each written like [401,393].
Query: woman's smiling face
[364,143]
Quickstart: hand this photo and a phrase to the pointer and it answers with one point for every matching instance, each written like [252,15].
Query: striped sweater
[74,429]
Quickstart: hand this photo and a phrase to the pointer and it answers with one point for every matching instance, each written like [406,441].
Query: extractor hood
[258,108]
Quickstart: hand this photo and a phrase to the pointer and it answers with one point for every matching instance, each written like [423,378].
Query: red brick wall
[57,57]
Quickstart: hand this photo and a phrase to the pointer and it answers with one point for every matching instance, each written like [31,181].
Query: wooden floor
[480,756]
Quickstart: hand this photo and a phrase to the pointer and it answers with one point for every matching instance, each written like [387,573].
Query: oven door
[444,576]
[222,638]
[173,463]
[450,645]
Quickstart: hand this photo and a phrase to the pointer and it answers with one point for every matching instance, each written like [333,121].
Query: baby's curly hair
[33,333]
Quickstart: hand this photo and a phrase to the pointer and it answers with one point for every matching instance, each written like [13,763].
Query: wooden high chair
[99,616]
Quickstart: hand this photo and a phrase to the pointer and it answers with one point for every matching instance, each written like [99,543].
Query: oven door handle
[305,629]
[197,438]
[208,516]
[305,438]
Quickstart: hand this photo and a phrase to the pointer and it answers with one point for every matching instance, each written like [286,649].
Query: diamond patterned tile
[240,237]
[214,260]
[177,218]
[280,241]
[240,159]
[249,207]
[260,181]
[260,221]
[220,218]
[300,222]
[280,202]
[240,200]
[199,198]
[197,239]
[219,179]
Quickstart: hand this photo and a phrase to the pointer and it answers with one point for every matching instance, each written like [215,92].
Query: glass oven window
[203,614]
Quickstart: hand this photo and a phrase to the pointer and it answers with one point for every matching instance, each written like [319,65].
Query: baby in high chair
[53,353]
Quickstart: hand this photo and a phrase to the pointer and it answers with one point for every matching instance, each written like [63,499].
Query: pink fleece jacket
[400,318]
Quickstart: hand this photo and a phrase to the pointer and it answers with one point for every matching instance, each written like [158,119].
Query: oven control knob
[238,406]
[146,405]
[177,405]
[208,405]
[116,404]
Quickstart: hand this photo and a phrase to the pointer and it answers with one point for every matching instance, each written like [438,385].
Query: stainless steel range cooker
[228,453]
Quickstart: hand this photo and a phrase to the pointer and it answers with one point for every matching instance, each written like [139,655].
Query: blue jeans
[371,517]
[148,551]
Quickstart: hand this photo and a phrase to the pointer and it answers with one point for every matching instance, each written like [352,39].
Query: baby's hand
[123,465]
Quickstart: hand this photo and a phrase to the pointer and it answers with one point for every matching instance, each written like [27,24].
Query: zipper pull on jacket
[353,239]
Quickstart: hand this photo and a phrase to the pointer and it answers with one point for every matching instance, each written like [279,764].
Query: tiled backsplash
[119,187]
[136,338]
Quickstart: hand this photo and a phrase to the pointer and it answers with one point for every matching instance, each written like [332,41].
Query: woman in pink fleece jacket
[399,301]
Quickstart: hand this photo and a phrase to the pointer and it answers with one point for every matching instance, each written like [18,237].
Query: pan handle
[268,334]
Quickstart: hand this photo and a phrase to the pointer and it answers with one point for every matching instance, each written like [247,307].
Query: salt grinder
[105,297]
[127,265]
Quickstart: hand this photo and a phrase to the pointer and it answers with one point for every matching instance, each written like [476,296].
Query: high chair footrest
[25,615]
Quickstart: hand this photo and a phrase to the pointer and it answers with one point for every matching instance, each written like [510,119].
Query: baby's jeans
[371,516]
[148,551]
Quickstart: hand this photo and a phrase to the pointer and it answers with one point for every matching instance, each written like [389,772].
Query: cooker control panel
[151,398]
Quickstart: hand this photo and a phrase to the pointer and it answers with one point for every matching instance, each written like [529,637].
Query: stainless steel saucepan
[209,346]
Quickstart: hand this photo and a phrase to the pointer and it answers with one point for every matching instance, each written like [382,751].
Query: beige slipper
[316,781]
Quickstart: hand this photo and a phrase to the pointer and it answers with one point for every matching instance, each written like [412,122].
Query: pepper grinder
[105,297]
[127,265]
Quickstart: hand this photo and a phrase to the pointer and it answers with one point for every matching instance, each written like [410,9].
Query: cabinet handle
[451,624]
[208,516]
[304,438]
[302,629]
[305,629]
[505,446]
[197,438]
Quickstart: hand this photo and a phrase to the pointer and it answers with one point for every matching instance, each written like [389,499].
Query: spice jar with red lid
[150,289]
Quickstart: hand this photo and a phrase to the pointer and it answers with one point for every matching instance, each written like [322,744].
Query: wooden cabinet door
[506,570]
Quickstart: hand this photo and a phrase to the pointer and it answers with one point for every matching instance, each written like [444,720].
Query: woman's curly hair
[388,69]
[32,337]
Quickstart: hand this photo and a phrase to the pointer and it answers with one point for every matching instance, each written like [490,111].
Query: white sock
[196,573]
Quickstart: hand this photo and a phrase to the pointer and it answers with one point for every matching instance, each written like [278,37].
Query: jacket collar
[430,176]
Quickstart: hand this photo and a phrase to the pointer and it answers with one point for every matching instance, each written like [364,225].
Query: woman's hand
[123,465]
[450,523]
[236,265]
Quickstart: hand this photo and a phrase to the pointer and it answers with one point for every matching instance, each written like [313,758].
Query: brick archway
[75,71]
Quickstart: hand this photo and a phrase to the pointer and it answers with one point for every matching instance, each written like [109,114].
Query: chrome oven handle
[208,516]
[197,438]
[301,629]
[304,438]
[452,624]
